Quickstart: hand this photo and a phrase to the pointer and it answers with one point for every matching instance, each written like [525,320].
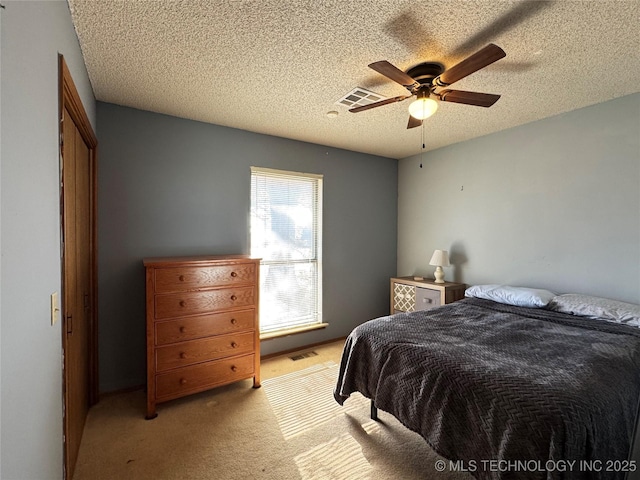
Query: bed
[486,383]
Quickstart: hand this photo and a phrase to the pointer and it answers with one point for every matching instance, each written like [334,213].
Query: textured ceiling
[277,67]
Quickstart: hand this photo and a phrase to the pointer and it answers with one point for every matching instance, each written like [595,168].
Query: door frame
[70,99]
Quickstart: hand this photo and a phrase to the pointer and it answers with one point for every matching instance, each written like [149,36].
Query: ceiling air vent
[359,97]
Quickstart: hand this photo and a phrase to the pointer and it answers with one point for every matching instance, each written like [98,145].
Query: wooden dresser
[202,325]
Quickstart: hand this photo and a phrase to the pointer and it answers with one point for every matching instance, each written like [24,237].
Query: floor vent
[359,97]
[300,356]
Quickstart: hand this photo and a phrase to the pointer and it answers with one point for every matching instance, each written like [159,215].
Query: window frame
[317,260]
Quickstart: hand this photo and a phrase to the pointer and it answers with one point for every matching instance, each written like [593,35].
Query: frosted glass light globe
[423,108]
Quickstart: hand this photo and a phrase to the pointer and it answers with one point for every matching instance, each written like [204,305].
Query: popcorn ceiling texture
[277,67]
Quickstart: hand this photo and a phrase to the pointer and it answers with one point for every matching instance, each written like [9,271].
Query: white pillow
[518,296]
[597,307]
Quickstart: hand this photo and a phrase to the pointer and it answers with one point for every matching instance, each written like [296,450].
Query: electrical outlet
[55,308]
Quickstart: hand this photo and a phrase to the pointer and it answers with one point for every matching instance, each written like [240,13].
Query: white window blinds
[286,233]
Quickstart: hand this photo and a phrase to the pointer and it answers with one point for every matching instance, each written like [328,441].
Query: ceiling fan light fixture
[423,108]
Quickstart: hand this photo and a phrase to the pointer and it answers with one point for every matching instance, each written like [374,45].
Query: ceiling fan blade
[413,122]
[475,62]
[469,98]
[379,104]
[394,73]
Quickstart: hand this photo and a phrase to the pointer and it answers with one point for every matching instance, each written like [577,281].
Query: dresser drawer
[404,297]
[203,350]
[427,298]
[192,303]
[193,278]
[203,376]
[190,328]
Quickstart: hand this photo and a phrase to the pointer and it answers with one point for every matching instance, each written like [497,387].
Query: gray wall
[552,204]
[33,33]
[170,186]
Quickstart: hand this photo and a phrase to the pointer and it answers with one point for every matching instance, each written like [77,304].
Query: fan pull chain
[422,154]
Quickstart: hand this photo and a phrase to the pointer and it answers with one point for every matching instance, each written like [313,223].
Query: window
[286,233]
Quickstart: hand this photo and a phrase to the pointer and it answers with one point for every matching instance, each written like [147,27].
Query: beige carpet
[291,428]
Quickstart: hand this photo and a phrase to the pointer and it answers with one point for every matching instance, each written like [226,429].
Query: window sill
[292,331]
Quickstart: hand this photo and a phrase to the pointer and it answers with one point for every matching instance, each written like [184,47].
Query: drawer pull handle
[183,355]
[233,298]
[234,368]
[183,381]
[183,329]
[234,274]
[182,303]
[181,278]
[233,321]
[234,345]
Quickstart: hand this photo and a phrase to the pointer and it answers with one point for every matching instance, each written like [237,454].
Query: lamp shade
[423,108]
[440,258]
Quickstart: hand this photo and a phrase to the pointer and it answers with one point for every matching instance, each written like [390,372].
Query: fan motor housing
[424,73]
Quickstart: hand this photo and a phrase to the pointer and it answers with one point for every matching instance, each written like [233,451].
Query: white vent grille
[359,97]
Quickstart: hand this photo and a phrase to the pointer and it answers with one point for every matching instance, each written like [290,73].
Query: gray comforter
[482,381]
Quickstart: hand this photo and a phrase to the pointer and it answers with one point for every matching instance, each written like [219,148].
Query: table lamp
[439,259]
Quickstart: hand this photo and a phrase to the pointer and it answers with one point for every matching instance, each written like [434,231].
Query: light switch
[55,308]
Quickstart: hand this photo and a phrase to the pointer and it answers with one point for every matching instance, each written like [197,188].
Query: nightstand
[409,295]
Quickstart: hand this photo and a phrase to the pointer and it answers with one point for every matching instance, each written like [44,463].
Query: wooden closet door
[77,285]
[78,149]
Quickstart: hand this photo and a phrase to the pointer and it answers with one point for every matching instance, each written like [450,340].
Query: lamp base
[439,275]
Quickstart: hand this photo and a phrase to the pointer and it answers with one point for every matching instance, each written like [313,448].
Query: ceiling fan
[427,79]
